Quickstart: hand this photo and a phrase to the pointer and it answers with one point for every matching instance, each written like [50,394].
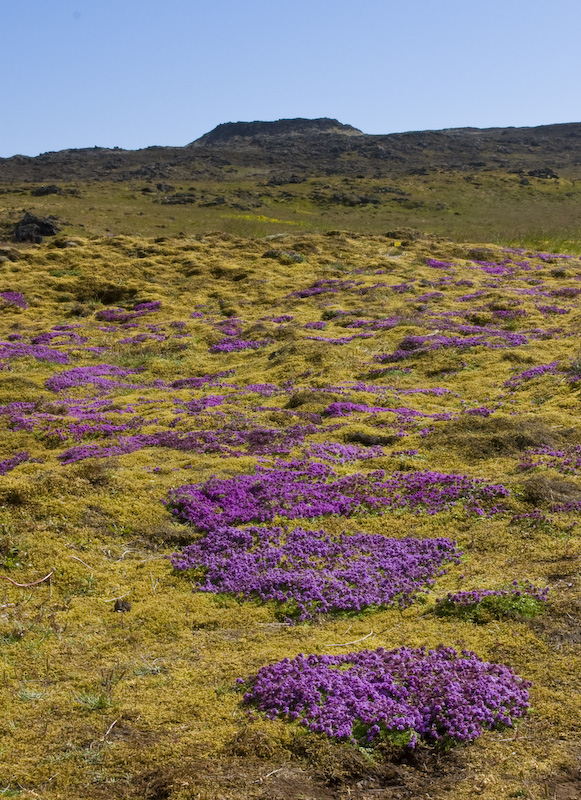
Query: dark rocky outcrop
[42,191]
[32,228]
[543,172]
[228,132]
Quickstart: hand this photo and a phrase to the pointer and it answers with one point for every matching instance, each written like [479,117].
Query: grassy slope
[484,206]
[99,704]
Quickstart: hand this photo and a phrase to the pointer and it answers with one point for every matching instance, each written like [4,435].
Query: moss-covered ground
[142,703]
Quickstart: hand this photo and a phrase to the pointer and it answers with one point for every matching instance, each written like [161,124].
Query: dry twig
[26,585]
[347,644]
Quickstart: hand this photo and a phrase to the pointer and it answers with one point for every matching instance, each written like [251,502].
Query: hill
[314,147]
[229,132]
[513,186]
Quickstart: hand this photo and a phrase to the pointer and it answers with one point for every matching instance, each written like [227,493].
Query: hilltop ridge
[309,148]
[229,131]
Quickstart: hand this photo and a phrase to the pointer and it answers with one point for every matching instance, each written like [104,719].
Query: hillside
[220,452]
[313,147]
[510,186]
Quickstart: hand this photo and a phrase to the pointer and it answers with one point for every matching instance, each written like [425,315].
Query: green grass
[487,206]
[490,608]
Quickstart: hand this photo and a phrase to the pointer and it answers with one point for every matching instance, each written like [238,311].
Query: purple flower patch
[324,286]
[11,463]
[195,406]
[101,375]
[298,489]
[342,339]
[342,453]
[435,264]
[533,372]
[231,345]
[553,310]
[344,409]
[419,345]
[10,350]
[481,605]
[566,461]
[404,696]
[313,572]
[121,315]
[197,383]
[14,299]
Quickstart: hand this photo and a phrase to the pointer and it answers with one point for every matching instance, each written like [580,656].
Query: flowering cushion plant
[313,571]
[230,345]
[404,696]
[481,605]
[309,489]
[11,463]
[14,299]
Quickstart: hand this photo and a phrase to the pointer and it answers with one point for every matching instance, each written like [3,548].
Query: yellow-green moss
[95,703]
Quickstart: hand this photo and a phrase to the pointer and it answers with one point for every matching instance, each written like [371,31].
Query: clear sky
[133,73]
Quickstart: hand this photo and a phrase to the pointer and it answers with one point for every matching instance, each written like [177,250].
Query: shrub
[540,490]
[479,437]
[482,605]
[285,256]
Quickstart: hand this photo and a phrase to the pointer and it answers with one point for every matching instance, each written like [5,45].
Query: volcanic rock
[32,228]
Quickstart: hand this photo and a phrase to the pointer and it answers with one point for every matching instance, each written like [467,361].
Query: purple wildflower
[14,299]
[406,695]
[11,463]
[314,572]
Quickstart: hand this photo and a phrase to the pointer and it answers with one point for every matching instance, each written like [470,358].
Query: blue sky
[133,73]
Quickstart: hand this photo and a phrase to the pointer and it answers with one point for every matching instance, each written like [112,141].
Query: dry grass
[143,704]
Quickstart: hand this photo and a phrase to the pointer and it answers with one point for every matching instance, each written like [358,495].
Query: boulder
[41,191]
[543,172]
[32,228]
